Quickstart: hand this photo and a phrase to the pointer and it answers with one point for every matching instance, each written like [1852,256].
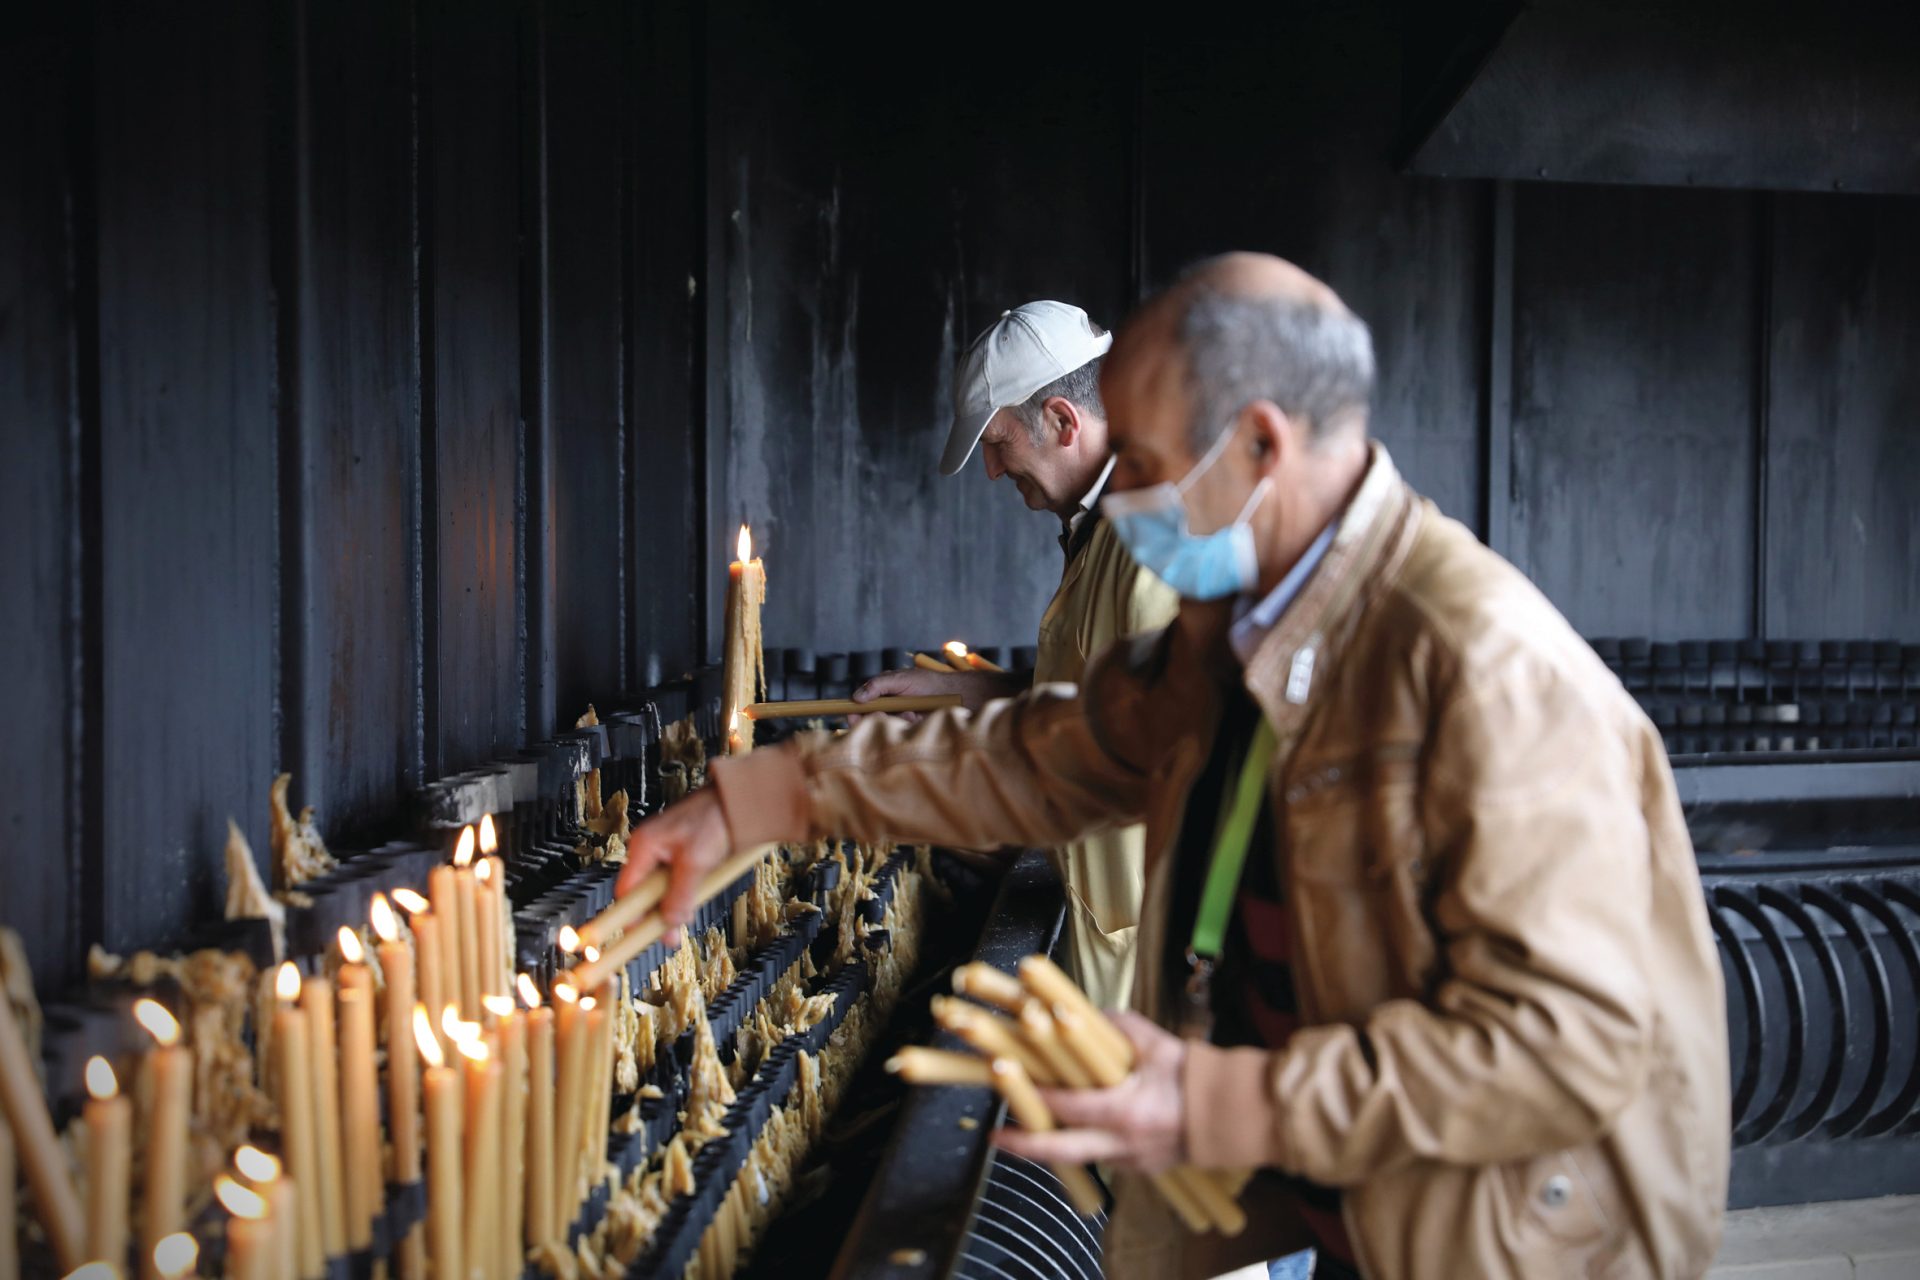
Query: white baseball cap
[1021,352]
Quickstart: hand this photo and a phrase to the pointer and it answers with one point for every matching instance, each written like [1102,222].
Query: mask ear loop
[1254,499]
[1207,459]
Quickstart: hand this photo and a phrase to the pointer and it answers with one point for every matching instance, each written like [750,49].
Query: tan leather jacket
[1515,1059]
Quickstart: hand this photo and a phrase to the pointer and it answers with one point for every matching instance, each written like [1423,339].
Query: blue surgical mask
[1152,524]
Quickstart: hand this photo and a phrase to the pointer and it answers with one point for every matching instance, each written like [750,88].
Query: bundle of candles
[1041,1029]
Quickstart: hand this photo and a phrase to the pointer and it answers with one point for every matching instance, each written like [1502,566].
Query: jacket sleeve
[1027,770]
[1537,1033]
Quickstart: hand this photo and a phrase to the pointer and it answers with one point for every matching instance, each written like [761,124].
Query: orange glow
[350,948]
[176,1255]
[591,955]
[424,1037]
[463,848]
[240,1202]
[410,902]
[383,922]
[101,1083]
[488,840]
[455,1028]
[256,1165]
[957,649]
[498,1006]
[153,1015]
[286,983]
[743,545]
[474,1050]
[587,1003]
[564,992]
[529,994]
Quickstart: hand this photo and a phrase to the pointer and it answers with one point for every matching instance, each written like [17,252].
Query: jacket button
[1556,1191]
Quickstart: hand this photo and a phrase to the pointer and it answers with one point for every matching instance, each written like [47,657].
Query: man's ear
[1270,436]
[1062,417]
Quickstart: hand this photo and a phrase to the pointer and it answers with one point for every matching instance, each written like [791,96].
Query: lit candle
[250,1247]
[465,890]
[170,1072]
[443,887]
[403,1079]
[744,670]
[175,1256]
[956,655]
[486,913]
[571,1062]
[359,1094]
[440,1088]
[499,978]
[734,744]
[298,1133]
[429,946]
[539,1150]
[511,1030]
[316,997]
[482,1171]
[600,1099]
[109,1163]
[262,1174]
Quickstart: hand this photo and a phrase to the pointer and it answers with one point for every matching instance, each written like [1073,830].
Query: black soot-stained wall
[380,382]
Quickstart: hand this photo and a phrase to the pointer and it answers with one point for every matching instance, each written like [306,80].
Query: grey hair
[1082,386]
[1315,362]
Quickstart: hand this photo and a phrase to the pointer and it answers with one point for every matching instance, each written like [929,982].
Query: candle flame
[498,1006]
[350,948]
[101,1083]
[743,545]
[463,848]
[153,1015]
[94,1271]
[529,994]
[452,1026]
[587,1003]
[424,1037]
[176,1255]
[488,840]
[957,649]
[569,939]
[564,992]
[483,870]
[255,1165]
[410,902]
[733,725]
[591,954]
[474,1050]
[383,922]
[240,1202]
[286,983]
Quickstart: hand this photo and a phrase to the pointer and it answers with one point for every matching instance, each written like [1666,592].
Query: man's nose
[990,454]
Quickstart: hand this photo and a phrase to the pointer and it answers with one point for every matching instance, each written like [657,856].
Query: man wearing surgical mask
[1424,965]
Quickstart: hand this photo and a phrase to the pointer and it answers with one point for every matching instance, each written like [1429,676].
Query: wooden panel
[665,312]
[355,733]
[859,260]
[472,163]
[1843,469]
[1635,366]
[188,482]
[585,256]
[38,516]
[1235,156]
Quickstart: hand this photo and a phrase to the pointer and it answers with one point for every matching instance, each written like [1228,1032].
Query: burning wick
[101,1083]
[488,840]
[383,922]
[743,545]
[424,1037]
[957,649]
[463,848]
[286,983]
[529,994]
[569,939]
[498,1006]
[410,902]
[483,872]
[350,949]
[255,1165]
[455,1029]
[176,1255]
[240,1202]
[153,1015]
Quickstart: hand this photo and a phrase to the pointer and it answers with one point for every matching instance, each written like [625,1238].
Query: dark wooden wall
[381,381]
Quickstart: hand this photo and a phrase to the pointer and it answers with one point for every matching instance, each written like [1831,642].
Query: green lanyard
[1233,832]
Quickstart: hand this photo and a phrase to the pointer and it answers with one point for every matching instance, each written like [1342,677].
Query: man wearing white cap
[1028,395]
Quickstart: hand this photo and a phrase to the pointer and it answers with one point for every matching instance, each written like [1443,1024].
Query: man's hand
[689,839]
[1138,1124]
[976,688]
